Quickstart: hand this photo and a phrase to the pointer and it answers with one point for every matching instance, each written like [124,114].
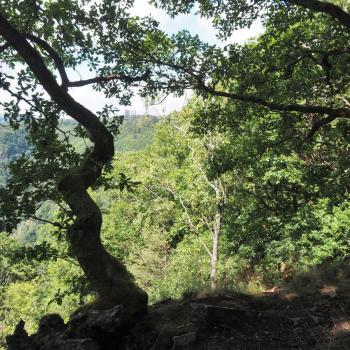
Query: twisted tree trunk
[109,278]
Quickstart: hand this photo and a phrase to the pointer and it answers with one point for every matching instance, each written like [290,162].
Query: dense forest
[244,190]
[279,217]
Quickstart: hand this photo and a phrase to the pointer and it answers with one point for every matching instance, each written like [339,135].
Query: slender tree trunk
[216,243]
[108,277]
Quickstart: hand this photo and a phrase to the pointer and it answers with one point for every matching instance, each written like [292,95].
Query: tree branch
[104,147]
[63,74]
[53,54]
[53,223]
[190,223]
[205,220]
[200,84]
[104,79]
[202,171]
[336,12]
[273,106]
[319,124]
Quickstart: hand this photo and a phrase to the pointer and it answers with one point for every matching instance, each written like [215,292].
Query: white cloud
[243,35]
[201,26]
[142,8]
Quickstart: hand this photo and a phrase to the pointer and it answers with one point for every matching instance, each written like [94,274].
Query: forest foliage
[282,206]
[242,189]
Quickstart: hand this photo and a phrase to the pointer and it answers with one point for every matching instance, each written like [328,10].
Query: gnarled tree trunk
[109,278]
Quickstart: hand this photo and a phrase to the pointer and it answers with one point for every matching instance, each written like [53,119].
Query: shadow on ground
[311,312]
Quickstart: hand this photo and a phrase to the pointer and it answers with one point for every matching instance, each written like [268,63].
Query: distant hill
[136,133]
[12,145]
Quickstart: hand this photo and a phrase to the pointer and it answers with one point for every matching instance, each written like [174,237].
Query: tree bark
[326,7]
[216,243]
[108,277]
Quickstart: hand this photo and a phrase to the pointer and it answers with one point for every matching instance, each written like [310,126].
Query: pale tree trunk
[108,277]
[216,243]
[220,194]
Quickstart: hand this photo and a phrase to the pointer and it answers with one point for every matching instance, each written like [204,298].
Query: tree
[297,68]
[203,154]
[54,37]
[293,76]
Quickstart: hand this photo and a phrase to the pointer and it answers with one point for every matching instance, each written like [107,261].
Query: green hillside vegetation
[246,189]
[278,219]
[134,135]
[12,145]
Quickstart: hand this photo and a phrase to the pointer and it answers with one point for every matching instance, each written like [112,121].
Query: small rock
[328,290]
[217,315]
[163,341]
[296,320]
[49,326]
[51,322]
[316,319]
[184,340]
[85,323]
[340,342]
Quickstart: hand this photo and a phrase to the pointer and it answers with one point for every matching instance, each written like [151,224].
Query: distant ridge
[132,115]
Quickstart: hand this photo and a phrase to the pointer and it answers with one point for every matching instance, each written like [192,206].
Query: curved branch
[63,74]
[103,79]
[334,52]
[279,107]
[200,84]
[319,124]
[104,147]
[326,7]
[53,54]
[53,223]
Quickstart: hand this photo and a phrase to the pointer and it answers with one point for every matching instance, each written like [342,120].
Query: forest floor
[318,317]
[311,312]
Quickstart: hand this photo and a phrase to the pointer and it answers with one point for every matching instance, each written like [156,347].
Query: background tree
[204,154]
[297,68]
[284,205]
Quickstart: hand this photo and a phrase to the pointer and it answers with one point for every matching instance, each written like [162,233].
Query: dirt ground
[284,318]
[311,312]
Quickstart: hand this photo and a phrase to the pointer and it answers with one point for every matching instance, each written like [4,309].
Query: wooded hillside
[245,189]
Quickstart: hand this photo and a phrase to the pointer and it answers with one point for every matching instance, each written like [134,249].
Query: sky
[194,24]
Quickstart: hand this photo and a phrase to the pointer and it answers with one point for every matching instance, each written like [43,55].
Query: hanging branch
[326,7]
[103,79]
